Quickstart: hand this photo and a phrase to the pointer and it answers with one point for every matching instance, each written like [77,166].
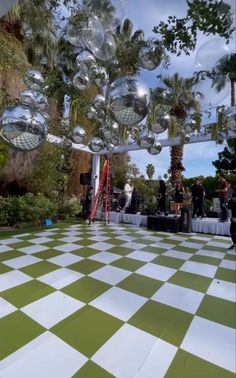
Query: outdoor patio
[96,301]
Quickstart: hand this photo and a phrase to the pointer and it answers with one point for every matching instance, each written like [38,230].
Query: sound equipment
[166,224]
[85,178]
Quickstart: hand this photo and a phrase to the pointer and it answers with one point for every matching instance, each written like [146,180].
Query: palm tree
[226,68]
[150,170]
[180,100]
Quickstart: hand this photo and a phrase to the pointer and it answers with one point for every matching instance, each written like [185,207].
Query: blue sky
[197,157]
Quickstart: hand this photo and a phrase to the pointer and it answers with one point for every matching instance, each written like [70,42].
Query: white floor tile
[142,256]
[51,309]
[6,308]
[41,240]
[192,245]
[152,238]
[162,245]
[158,361]
[70,239]
[12,279]
[46,356]
[133,245]
[126,237]
[33,249]
[223,289]
[156,271]
[179,297]
[178,238]
[205,252]
[99,238]
[228,264]
[70,233]
[5,248]
[20,262]
[110,274]
[218,244]
[211,341]
[202,269]
[178,254]
[105,257]
[10,241]
[65,259]
[119,303]
[60,278]
[125,352]
[45,233]
[101,246]
[203,238]
[69,247]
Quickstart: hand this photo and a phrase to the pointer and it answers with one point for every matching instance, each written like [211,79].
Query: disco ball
[146,139]
[34,80]
[92,33]
[108,48]
[23,128]
[128,100]
[187,138]
[115,127]
[150,56]
[92,113]
[85,59]
[99,102]
[100,76]
[78,134]
[81,80]
[110,146]
[231,118]
[107,133]
[163,122]
[155,149]
[211,53]
[96,144]
[33,98]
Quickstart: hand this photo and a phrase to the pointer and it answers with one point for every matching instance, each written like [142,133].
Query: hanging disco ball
[23,128]
[107,133]
[150,55]
[96,144]
[110,146]
[34,80]
[81,80]
[33,98]
[155,149]
[115,127]
[108,48]
[100,76]
[163,122]
[128,100]
[92,33]
[187,138]
[99,102]
[146,139]
[231,118]
[78,134]
[92,113]
[85,59]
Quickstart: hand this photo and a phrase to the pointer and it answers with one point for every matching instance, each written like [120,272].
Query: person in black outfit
[178,197]
[162,197]
[198,193]
[232,206]
[88,203]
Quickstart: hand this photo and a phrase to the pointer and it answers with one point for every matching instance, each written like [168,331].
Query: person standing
[161,195]
[178,197]
[88,203]
[232,207]
[198,194]
[128,190]
[223,196]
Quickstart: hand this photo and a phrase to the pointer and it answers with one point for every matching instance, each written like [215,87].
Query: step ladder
[104,189]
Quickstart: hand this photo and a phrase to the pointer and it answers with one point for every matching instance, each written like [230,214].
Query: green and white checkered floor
[96,301]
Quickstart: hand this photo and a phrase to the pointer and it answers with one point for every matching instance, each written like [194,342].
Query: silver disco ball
[107,133]
[115,127]
[96,144]
[100,76]
[150,55]
[23,128]
[231,118]
[110,146]
[155,149]
[128,100]
[187,138]
[163,122]
[34,80]
[33,98]
[146,139]
[99,102]
[78,134]
[85,59]
[81,80]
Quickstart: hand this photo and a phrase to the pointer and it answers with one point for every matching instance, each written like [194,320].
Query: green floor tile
[48,254]
[22,244]
[86,266]
[39,269]
[16,330]
[4,268]
[152,249]
[85,252]
[54,243]
[218,310]
[162,321]
[191,281]
[168,261]
[196,241]
[10,255]
[206,260]
[215,249]
[86,289]
[92,370]
[57,236]
[184,249]
[230,257]
[172,241]
[226,275]
[186,365]
[141,285]
[128,264]
[114,241]
[87,329]
[123,251]
[85,242]
[26,293]
[142,241]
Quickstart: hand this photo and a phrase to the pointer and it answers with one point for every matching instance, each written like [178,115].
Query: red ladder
[105,182]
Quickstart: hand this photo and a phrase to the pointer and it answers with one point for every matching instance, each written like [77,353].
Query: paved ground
[96,301]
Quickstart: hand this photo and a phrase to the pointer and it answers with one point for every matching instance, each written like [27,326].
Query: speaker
[85,178]
[162,223]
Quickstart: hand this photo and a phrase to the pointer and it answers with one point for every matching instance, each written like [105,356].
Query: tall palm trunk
[176,166]
[233,90]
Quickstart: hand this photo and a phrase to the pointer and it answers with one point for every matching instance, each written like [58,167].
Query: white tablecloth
[210,226]
[137,219]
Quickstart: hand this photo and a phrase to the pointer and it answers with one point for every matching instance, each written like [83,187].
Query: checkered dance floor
[96,301]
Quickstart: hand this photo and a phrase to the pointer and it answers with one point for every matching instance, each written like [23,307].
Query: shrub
[73,207]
